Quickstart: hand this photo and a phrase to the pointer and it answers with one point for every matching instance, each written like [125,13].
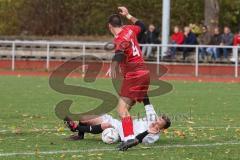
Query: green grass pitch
[206,122]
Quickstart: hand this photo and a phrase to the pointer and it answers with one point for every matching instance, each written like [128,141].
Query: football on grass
[110,136]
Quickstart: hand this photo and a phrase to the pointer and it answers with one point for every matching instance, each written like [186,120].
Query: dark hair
[115,20]
[167,120]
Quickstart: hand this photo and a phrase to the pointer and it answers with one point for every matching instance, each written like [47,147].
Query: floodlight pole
[165,25]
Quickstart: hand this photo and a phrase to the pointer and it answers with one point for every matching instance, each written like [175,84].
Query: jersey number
[135,49]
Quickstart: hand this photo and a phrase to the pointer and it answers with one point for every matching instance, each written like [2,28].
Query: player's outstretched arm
[124,12]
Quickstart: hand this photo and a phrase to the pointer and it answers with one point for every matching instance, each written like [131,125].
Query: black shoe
[74,138]
[70,124]
[81,134]
[128,144]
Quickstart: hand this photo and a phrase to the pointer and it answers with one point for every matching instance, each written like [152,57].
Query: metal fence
[84,45]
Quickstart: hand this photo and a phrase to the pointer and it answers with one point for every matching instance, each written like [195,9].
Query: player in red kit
[136,79]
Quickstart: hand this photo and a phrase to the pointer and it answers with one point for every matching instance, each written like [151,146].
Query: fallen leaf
[227,151]
[22,139]
[25,115]
[37,150]
[179,133]
[16,131]
[228,127]
[190,129]
[190,122]
[61,129]
[145,147]
[165,131]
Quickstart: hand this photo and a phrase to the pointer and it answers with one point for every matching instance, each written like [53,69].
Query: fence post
[48,56]
[83,64]
[196,62]
[235,54]
[158,59]
[13,55]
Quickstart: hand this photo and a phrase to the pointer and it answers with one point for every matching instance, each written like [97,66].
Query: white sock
[129,137]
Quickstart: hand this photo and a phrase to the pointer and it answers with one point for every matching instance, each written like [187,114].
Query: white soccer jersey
[139,125]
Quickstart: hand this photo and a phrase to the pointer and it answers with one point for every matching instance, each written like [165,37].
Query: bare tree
[211,13]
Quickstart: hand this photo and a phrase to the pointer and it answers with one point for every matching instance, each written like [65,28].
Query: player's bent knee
[123,112]
[127,101]
[106,125]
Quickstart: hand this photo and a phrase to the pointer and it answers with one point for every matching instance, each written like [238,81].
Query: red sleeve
[136,29]
[121,44]
[117,43]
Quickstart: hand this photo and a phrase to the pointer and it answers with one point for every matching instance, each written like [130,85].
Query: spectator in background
[215,40]
[150,38]
[176,38]
[189,39]
[204,39]
[227,40]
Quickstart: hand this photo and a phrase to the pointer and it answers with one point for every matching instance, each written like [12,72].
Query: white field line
[113,149]
[210,127]
[56,130]
[30,130]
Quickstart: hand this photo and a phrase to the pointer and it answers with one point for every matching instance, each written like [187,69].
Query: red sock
[127,125]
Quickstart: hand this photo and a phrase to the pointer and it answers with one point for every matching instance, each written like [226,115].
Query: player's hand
[108,74]
[123,11]
[113,72]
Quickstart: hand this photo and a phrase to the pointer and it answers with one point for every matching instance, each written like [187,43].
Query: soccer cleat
[81,134]
[74,138]
[128,144]
[70,124]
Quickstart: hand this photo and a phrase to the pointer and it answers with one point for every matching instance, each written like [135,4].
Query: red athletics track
[179,72]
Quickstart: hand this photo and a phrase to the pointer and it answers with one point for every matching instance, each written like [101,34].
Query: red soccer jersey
[127,41]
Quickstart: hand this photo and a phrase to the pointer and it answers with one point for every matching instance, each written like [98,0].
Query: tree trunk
[211,14]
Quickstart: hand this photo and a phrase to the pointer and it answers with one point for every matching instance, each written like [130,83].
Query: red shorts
[135,85]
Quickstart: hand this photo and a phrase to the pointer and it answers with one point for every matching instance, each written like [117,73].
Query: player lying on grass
[146,129]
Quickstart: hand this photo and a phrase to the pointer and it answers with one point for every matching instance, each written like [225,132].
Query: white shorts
[115,124]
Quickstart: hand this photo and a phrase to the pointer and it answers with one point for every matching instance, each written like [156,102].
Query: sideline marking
[113,149]
[56,130]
